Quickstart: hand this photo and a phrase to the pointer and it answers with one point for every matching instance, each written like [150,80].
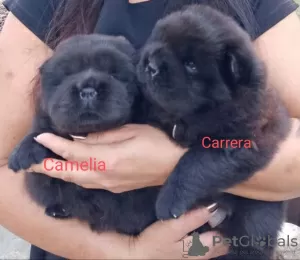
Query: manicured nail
[38,137]
[212,208]
[78,137]
[217,217]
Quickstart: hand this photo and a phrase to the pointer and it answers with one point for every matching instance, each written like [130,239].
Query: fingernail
[78,137]
[212,208]
[41,136]
[217,217]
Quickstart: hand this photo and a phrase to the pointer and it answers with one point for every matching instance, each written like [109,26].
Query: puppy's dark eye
[190,67]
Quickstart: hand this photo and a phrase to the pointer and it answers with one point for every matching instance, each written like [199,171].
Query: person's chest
[134,21]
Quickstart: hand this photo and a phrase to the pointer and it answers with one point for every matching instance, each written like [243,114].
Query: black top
[134,21]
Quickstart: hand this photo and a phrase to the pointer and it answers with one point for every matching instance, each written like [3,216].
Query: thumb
[67,149]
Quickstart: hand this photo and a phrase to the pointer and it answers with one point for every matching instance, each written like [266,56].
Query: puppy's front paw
[171,203]
[27,153]
[57,211]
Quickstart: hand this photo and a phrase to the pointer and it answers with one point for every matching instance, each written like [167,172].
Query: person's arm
[279,49]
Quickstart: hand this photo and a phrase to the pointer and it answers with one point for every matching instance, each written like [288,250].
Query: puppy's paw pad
[57,211]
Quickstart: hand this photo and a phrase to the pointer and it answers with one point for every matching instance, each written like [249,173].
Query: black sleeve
[270,12]
[36,15]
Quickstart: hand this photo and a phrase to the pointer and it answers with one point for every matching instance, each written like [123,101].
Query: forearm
[280,180]
[67,238]
[278,48]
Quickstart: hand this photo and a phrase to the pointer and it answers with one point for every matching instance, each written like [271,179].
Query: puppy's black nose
[88,93]
[152,68]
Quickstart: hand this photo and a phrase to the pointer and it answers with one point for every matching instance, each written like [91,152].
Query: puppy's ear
[239,67]
[122,44]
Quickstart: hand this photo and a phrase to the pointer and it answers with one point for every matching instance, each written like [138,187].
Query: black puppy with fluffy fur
[89,85]
[202,78]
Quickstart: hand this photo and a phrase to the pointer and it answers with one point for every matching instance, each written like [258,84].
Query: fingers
[67,149]
[113,136]
[168,238]
[192,220]
[178,228]
[67,171]
[87,176]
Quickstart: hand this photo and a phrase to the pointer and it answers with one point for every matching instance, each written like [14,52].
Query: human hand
[167,240]
[134,156]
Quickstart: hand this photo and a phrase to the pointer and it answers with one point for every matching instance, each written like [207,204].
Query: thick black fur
[200,73]
[102,67]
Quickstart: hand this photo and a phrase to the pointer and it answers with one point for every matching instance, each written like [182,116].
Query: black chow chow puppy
[203,82]
[89,85]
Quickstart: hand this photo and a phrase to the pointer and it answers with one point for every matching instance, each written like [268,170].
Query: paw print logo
[261,241]
[188,244]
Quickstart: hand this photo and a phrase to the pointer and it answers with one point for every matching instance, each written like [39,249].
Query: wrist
[177,154]
[111,245]
[174,157]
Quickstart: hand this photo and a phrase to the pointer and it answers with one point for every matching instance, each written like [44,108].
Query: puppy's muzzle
[88,90]
[155,60]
